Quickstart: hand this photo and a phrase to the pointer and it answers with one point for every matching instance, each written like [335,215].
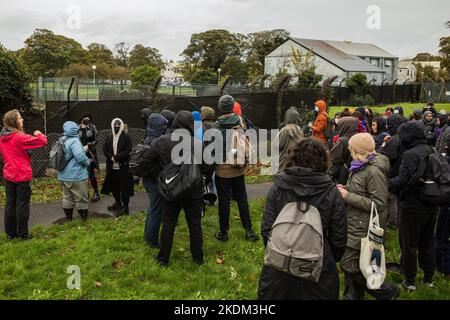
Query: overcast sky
[407,26]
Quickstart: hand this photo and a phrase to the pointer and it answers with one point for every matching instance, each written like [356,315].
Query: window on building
[388,63]
[374,62]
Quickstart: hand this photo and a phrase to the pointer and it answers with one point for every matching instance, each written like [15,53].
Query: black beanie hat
[226,104]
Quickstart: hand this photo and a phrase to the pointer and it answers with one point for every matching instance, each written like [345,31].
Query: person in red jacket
[321,123]
[14,146]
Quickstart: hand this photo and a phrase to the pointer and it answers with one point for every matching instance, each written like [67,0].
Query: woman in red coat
[14,146]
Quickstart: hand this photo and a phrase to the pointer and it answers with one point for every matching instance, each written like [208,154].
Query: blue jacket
[76,169]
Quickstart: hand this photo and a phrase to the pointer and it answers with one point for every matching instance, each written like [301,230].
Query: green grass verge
[47,190]
[408,108]
[116,263]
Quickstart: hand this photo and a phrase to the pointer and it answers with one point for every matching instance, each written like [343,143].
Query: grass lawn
[407,107]
[116,263]
[46,190]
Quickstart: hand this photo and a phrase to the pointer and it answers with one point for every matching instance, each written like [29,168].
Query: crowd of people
[348,165]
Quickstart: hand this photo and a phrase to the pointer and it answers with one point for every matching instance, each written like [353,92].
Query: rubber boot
[83,214]
[69,214]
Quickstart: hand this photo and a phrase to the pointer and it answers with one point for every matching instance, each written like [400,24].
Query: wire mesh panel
[40,157]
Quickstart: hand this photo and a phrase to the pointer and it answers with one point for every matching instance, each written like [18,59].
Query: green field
[116,263]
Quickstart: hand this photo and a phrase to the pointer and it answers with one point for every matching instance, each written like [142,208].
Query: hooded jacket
[429,128]
[316,188]
[14,148]
[145,114]
[208,117]
[364,186]
[394,148]
[289,135]
[169,115]
[118,146]
[320,124]
[340,155]
[160,152]
[406,183]
[76,169]
[156,127]
[381,132]
[224,123]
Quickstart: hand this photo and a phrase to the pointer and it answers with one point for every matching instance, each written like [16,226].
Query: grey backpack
[296,242]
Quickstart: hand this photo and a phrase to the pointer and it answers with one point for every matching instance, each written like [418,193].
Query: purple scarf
[357,165]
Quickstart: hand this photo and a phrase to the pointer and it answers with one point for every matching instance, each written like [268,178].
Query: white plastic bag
[373,271]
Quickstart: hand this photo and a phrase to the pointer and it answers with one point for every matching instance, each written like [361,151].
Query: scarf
[357,165]
[116,136]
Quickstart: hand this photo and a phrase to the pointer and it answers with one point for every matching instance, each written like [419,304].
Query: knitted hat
[226,104]
[363,144]
[208,114]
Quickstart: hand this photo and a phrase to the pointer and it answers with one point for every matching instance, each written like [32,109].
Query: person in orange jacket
[321,123]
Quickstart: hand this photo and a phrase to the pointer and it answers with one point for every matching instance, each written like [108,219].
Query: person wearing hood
[306,180]
[231,180]
[145,114]
[160,156]
[442,125]
[15,145]
[379,132]
[429,127]
[88,135]
[237,110]
[367,183]
[198,125]
[399,111]
[118,180]
[443,229]
[416,116]
[156,127]
[418,219]
[340,155]
[208,117]
[73,178]
[393,149]
[169,115]
[289,135]
[321,122]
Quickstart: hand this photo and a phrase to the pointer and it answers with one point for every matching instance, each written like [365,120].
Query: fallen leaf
[220,261]
[98,284]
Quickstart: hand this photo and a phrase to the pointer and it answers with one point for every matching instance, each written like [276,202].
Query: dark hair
[358,115]
[390,109]
[309,153]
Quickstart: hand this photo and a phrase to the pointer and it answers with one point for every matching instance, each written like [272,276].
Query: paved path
[49,213]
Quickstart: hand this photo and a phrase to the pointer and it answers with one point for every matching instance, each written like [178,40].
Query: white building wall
[281,58]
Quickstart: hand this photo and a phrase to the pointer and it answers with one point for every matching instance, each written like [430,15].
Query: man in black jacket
[418,219]
[158,157]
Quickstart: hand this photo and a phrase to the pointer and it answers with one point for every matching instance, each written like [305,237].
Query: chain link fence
[40,157]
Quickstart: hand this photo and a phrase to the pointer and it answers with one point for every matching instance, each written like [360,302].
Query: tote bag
[372,261]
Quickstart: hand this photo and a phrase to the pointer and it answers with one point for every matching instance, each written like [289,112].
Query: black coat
[406,183]
[301,184]
[124,147]
[88,136]
[159,154]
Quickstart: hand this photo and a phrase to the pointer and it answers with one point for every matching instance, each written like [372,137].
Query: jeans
[236,187]
[417,243]
[171,212]
[17,208]
[443,241]
[154,212]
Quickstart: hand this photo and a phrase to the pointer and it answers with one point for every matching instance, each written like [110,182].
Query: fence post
[173,89]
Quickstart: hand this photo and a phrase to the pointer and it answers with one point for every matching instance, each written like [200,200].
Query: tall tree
[141,55]
[211,48]
[424,56]
[98,53]
[259,44]
[14,83]
[122,54]
[144,76]
[444,50]
[46,53]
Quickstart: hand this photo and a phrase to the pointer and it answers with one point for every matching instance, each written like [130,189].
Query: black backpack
[434,180]
[176,182]
[58,159]
[136,165]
